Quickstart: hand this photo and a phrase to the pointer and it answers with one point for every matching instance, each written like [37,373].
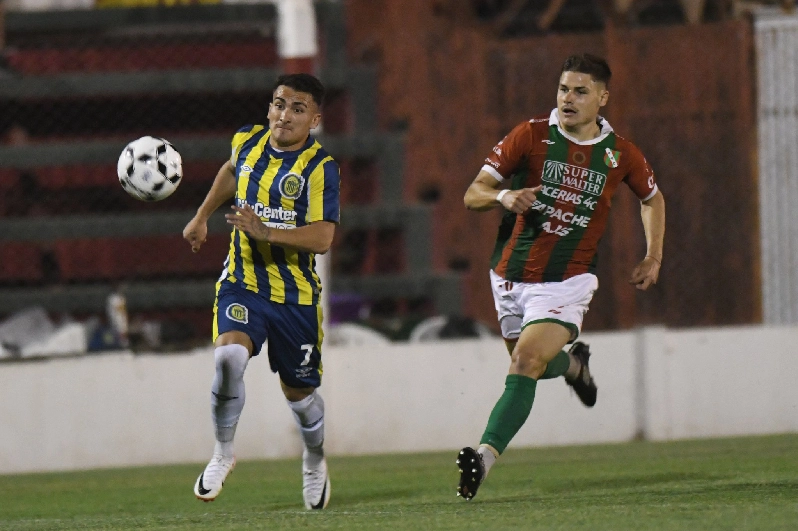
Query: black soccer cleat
[583,385]
[472,472]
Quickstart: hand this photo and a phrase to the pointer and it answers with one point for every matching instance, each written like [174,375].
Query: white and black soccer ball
[150,168]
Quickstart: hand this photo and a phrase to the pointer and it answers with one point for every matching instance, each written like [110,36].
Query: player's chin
[568,118]
[283,135]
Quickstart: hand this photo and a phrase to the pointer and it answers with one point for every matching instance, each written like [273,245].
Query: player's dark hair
[585,63]
[302,83]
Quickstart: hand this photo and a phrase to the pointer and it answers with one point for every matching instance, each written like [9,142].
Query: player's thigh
[540,342]
[563,303]
[239,316]
[294,344]
[510,313]
[295,394]
[234,337]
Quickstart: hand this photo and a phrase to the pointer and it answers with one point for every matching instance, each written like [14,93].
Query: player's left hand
[247,221]
[645,274]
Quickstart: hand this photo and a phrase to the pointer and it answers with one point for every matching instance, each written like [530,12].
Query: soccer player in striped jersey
[286,190]
[564,169]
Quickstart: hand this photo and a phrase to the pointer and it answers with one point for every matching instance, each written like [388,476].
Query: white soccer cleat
[316,486]
[209,484]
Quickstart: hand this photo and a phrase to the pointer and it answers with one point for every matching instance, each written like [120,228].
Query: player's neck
[583,132]
[291,147]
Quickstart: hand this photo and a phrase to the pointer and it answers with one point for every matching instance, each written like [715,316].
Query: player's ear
[605,95]
[314,123]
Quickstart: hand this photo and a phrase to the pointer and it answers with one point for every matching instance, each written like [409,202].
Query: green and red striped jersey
[558,237]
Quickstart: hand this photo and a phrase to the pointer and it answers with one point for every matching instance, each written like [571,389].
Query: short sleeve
[508,154]
[640,177]
[324,192]
[239,138]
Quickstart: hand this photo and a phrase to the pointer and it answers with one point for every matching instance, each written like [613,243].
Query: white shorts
[519,304]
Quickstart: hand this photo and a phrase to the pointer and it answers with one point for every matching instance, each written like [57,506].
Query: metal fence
[77,86]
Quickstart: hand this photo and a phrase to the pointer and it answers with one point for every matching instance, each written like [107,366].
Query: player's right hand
[519,201]
[195,233]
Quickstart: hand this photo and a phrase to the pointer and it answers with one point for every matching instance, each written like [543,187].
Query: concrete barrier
[121,409]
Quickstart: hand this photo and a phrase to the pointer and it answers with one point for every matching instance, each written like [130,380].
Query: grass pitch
[734,484]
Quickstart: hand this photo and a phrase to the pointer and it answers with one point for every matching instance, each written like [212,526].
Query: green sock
[510,412]
[557,367]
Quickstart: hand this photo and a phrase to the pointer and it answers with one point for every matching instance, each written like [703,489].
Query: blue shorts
[292,332]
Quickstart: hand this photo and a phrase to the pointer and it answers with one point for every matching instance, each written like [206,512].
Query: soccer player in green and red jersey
[564,168]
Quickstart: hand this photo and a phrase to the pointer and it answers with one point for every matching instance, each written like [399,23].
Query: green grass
[745,483]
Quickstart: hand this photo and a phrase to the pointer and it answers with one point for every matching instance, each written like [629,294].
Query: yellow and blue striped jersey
[287,189]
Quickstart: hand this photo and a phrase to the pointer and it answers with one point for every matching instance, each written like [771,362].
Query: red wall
[683,94]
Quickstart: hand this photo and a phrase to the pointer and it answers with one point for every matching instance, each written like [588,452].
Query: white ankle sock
[224,448]
[488,457]
[573,368]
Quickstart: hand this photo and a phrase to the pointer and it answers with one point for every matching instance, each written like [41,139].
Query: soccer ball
[150,168]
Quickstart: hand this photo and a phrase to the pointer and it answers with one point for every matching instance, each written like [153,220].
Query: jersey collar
[606,129]
[279,154]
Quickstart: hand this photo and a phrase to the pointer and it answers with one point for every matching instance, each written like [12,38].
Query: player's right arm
[506,157]
[222,190]
[483,194]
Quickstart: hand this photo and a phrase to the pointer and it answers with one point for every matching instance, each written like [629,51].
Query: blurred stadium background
[419,92]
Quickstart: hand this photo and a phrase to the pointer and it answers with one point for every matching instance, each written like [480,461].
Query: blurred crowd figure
[525,17]
[3,62]
[16,134]
[22,198]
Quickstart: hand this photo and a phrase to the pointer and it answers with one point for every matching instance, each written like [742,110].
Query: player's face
[291,115]
[579,99]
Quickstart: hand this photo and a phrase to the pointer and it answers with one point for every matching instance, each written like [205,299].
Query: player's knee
[308,410]
[231,360]
[527,362]
[296,394]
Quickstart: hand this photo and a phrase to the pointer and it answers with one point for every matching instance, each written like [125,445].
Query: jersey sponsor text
[264,211]
[574,177]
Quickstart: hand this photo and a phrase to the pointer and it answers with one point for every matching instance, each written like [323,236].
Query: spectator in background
[16,135]
[24,194]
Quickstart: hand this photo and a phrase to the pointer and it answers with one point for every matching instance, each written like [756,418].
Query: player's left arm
[652,212]
[315,237]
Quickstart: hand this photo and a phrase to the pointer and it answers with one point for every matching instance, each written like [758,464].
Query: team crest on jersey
[612,158]
[238,312]
[291,185]
[578,157]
